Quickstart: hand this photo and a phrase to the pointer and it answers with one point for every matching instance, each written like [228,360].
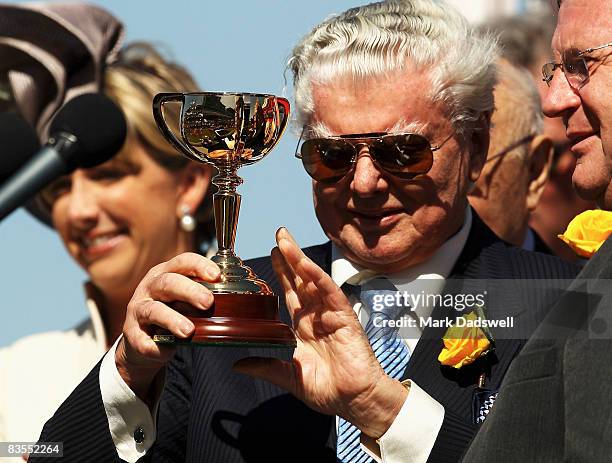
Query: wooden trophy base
[248,320]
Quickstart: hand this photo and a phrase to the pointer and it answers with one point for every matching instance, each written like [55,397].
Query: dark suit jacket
[210,414]
[556,401]
[539,245]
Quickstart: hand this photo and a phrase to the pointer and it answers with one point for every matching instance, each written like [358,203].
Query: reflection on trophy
[229,130]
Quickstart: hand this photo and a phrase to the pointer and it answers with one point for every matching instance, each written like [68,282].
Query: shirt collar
[529,242]
[438,266]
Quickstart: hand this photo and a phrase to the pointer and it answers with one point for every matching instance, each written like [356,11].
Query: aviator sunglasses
[403,155]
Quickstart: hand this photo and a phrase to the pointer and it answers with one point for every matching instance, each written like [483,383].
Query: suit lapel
[483,258]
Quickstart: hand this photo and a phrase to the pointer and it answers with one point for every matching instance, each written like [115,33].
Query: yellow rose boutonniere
[587,232]
[463,345]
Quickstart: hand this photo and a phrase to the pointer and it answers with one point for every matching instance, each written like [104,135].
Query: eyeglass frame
[365,136]
[508,149]
[498,157]
[555,65]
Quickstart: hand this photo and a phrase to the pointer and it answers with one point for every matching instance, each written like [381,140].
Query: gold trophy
[229,130]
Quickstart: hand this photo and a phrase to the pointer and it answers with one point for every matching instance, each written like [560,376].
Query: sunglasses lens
[326,160]
[405,156]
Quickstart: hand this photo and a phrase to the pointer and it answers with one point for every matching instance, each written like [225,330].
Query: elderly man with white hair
[394,99]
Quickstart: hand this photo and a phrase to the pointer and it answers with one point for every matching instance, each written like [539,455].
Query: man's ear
[194,183]
[479,145]
[539,161]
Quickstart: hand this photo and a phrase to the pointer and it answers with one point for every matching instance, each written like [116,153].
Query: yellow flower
[463,345]
[587,232]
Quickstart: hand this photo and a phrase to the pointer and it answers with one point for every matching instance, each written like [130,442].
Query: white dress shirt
[38,372]
[414,431]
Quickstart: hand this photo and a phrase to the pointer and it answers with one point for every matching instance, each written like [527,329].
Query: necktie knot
[352,290]
[381,299]
[383,303]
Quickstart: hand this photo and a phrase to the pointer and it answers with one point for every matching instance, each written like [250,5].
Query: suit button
[139,435]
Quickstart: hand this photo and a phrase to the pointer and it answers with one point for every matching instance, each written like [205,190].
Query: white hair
[376,39]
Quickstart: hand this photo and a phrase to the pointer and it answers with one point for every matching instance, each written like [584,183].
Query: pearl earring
[187,221]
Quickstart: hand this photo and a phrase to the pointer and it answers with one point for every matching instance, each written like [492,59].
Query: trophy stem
[227,208]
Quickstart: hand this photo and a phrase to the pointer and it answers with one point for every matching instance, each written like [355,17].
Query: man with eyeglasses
[555,404]
[395,100]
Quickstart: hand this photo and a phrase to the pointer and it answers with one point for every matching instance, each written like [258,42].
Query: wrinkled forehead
[582,24]
[391,103]
[319,129]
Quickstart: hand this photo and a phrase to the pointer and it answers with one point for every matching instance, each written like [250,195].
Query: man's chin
[589,190]
[383,261]
[585,193]
[386,254]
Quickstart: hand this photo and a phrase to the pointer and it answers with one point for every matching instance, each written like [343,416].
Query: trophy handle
[158,102]
[284,110]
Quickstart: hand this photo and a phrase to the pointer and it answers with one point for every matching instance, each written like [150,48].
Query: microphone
[18,143]
[86,132]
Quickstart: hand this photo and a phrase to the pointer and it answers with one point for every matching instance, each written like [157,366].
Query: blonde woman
[116,221]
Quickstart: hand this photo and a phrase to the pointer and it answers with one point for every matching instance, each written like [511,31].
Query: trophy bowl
[228,130]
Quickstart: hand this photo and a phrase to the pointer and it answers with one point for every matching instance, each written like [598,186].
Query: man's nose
[83,208]
[367,178]
[560,97]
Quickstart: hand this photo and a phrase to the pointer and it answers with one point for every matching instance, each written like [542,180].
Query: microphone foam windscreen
[18,142]
[97,123]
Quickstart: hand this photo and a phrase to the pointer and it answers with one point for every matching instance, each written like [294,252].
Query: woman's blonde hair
[132,81]
[139,73]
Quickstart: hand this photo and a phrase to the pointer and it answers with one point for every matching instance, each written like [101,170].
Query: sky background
[232,45]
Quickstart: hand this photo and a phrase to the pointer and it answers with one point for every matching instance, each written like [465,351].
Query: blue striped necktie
[391,352]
